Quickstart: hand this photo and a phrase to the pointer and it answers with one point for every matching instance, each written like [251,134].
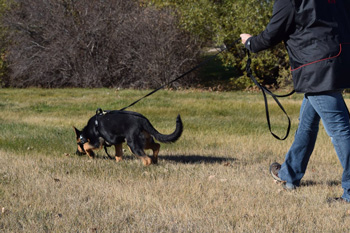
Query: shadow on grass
[185,159]
[329,183]
[192,159]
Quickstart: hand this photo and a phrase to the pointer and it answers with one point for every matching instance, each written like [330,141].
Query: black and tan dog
[116,127]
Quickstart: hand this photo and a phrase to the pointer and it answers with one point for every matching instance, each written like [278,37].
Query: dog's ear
[77,132]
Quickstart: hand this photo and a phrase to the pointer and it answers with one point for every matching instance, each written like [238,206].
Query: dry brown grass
[215,179]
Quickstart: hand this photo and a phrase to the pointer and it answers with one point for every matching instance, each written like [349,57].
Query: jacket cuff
[247,44]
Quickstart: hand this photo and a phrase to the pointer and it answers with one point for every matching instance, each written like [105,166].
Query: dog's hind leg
[150,144]
[118,152]
[136,148]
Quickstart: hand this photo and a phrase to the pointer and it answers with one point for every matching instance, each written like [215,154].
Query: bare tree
[95,43]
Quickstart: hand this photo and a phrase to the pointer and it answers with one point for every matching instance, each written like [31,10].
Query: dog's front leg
[118,152]
[89,150]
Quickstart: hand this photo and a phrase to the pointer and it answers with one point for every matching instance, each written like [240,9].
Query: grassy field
[214,179]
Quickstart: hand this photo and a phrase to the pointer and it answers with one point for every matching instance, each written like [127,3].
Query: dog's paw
[146,161]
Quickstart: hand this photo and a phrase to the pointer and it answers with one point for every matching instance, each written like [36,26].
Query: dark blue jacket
[316,34]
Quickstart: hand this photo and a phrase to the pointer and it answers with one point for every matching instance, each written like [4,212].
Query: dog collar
[82,139]
[81,142]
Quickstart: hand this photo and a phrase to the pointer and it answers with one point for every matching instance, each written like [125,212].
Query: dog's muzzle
[81,143]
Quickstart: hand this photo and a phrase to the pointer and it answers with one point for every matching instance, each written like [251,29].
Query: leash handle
[224,48]
[274,96]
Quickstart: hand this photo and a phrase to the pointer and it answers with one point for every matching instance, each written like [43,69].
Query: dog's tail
[166,138]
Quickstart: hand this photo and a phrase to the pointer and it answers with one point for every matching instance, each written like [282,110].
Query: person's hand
[245,37]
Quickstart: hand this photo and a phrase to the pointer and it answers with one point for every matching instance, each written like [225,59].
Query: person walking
[316,34]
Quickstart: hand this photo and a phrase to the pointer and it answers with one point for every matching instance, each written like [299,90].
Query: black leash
[106,150]
[274,96]
[249,74]
[184,74]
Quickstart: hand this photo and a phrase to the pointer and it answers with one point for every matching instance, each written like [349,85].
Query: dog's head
[80,142]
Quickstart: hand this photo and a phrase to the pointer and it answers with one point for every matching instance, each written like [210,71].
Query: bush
[111,43]
[221,22]
[3,45]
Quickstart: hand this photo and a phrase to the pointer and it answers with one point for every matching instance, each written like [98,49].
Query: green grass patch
[213,179]
[215,74]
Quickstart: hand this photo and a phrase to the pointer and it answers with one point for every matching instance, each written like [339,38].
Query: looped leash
[274,96]
[184,74]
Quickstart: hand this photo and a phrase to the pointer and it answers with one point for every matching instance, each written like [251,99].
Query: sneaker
[288,186]
[274,168]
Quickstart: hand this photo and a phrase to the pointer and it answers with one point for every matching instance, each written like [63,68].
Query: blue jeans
[331,108]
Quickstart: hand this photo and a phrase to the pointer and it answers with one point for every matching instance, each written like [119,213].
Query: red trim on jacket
[324,59]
